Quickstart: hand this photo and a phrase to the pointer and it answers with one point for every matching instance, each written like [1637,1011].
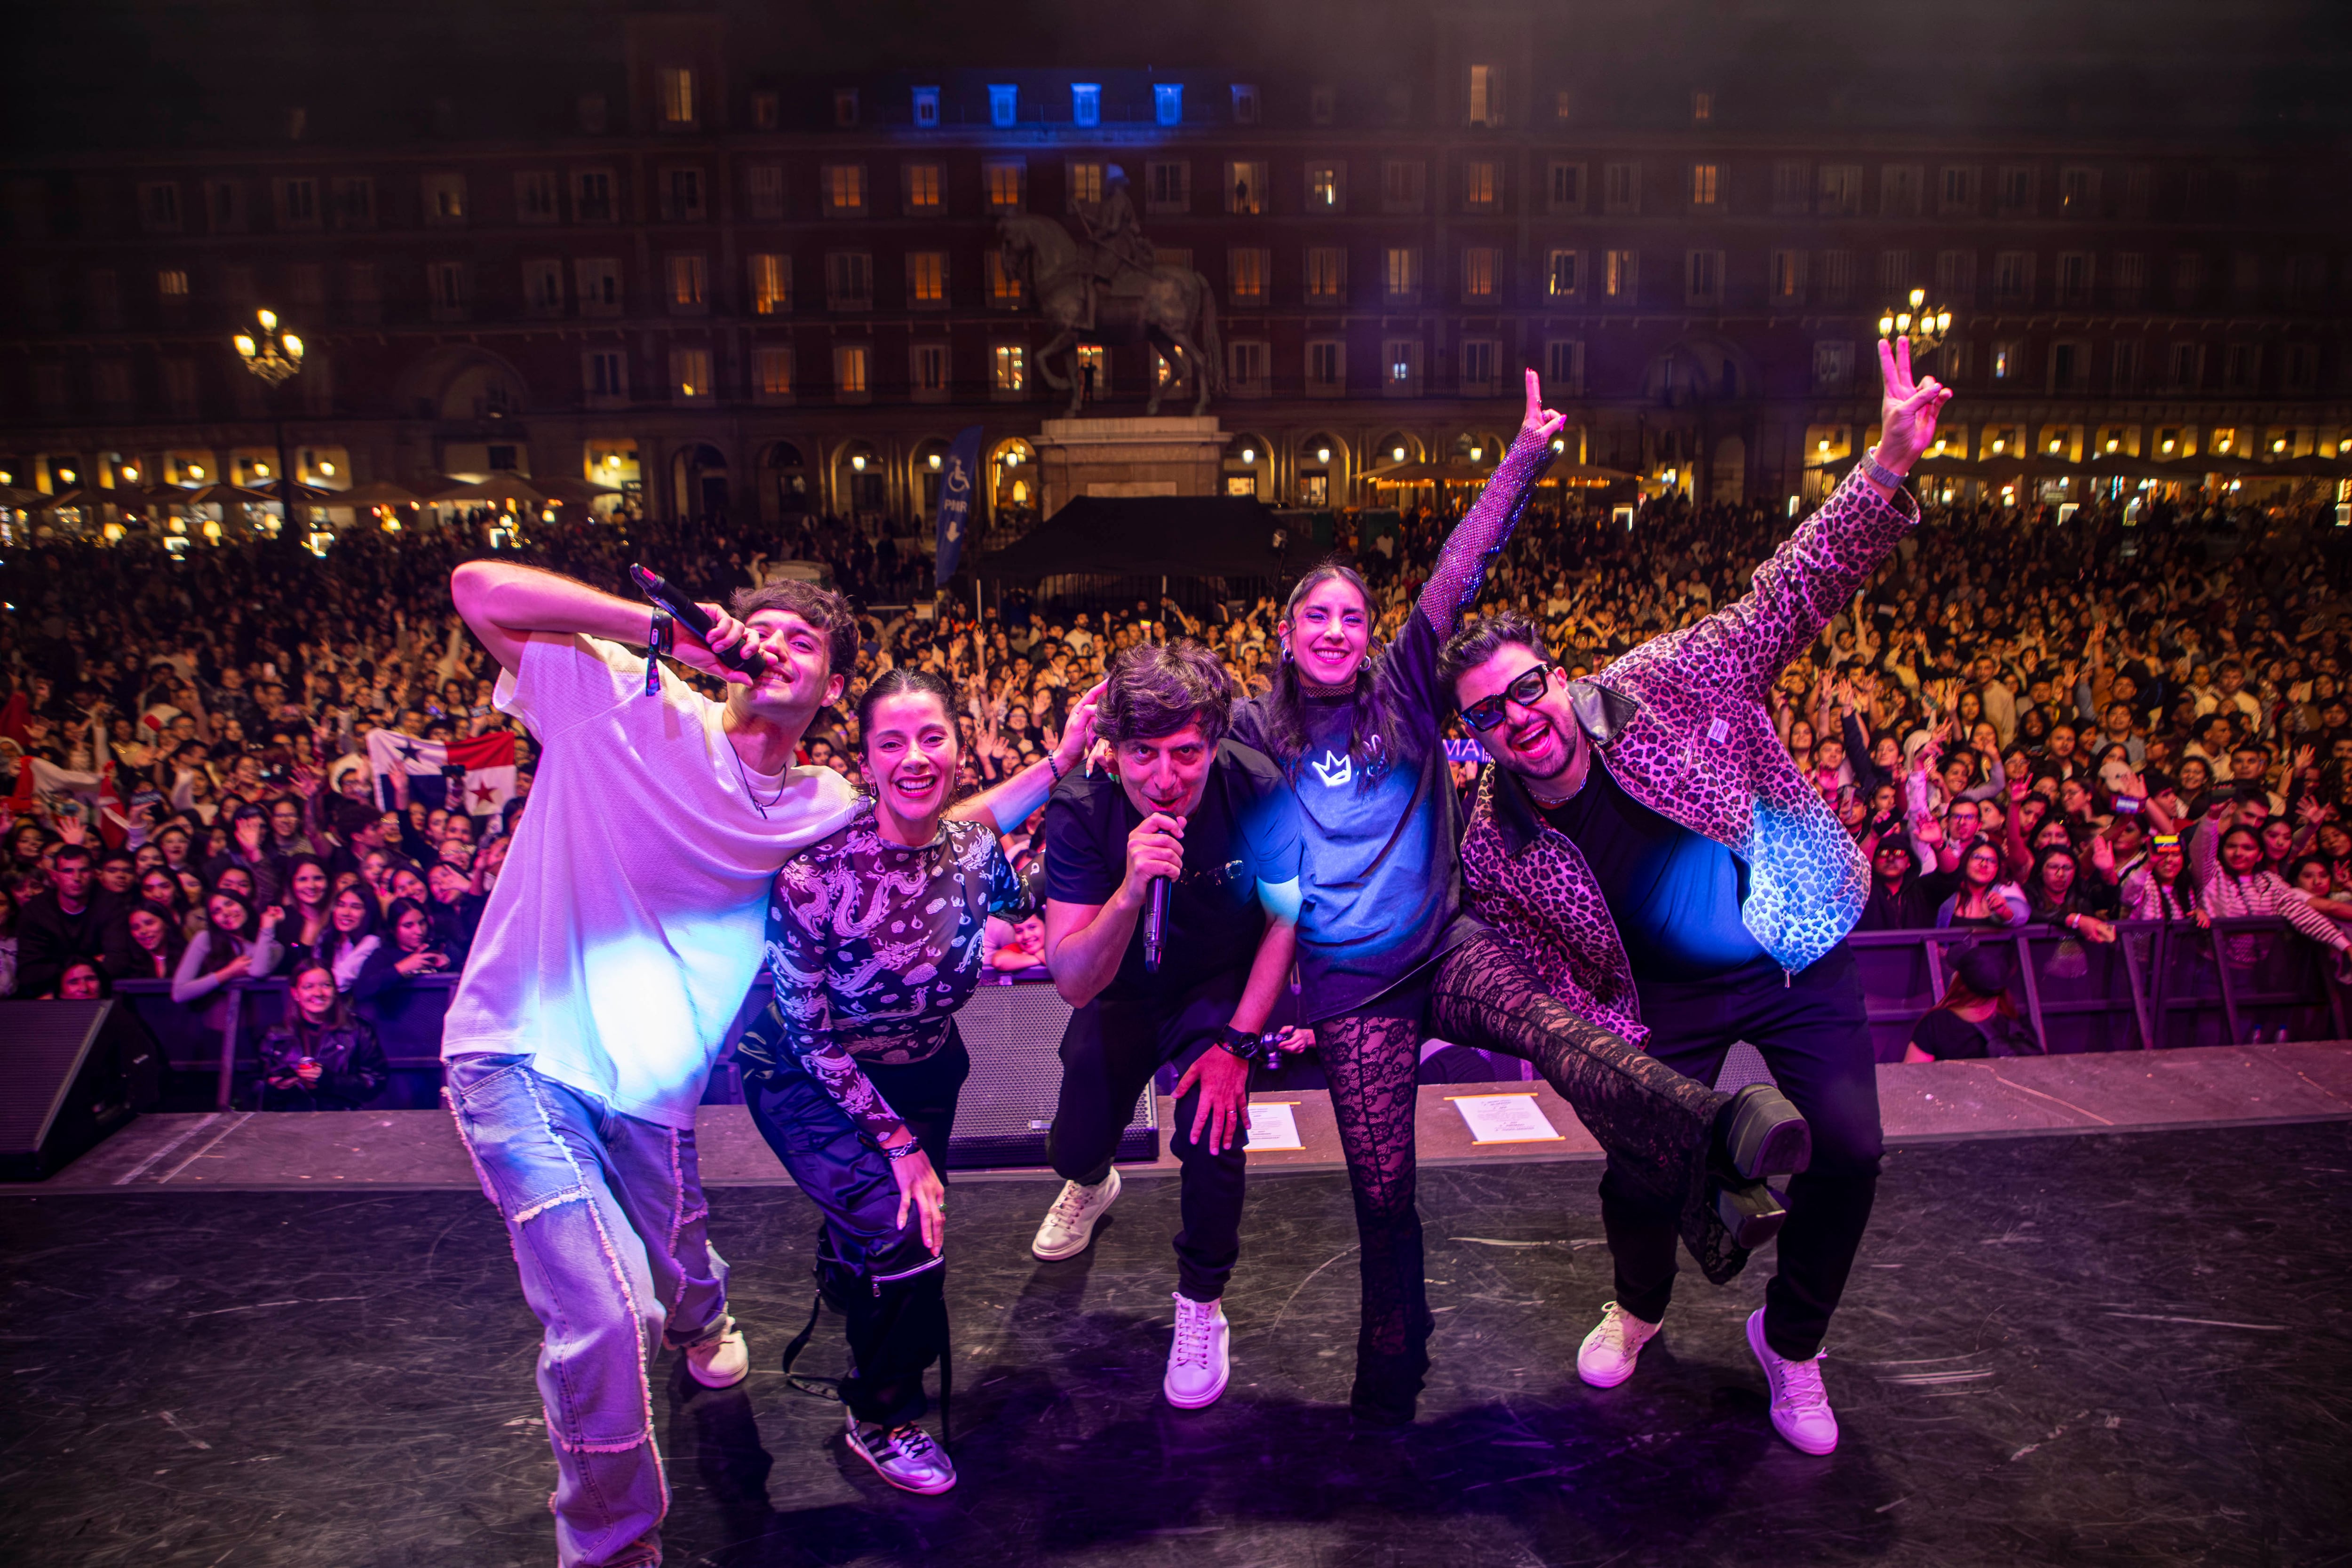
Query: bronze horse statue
[1171,308]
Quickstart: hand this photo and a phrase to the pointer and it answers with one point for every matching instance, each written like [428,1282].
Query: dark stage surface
[2104,1349]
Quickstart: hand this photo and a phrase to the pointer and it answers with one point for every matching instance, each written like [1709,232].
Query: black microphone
[690,616]
[1155,924]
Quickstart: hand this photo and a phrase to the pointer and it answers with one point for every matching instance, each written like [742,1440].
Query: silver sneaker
[1200,1359]
[1069,1226]
[904,1456]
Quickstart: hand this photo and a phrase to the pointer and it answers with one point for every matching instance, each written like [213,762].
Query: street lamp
[275,354]
[1925,326]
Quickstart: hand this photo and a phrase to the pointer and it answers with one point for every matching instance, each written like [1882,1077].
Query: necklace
[752,794]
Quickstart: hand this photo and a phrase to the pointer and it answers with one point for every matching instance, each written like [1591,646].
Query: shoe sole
[858,1448]
[695,1372]
[1768,1137]
[1590,1381]
[1203,1401]
[1758,1348]
[1753,1214]
[1086,1236]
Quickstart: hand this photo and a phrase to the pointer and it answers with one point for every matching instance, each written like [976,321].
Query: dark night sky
[89,73]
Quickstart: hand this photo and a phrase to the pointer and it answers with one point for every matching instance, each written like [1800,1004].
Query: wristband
[1239,1043]
[1872,469]
[1054,767]
[661,637]
[2128,805]
[907,1151]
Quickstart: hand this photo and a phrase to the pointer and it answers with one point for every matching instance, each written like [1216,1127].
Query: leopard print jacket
[1685,724]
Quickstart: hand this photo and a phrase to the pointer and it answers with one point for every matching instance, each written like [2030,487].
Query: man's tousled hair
[1482,639]
[822,608]
[1154,690]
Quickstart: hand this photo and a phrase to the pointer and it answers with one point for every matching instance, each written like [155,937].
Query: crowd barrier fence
[2159,985]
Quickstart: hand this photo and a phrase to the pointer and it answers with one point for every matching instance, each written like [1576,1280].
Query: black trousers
[1810,1029]
[888,1286]
[1109,1051]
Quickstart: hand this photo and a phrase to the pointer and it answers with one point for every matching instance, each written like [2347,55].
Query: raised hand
[1541,422]
[1907,409]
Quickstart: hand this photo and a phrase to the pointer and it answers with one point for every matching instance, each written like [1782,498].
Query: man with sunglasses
[1647,827]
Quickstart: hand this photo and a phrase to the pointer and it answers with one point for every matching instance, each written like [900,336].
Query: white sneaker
[1069,1224]
[1800,1406]
[1198,1364]
[1607,1356]
[721,1363]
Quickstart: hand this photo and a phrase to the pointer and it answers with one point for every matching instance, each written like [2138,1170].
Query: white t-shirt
[626,927]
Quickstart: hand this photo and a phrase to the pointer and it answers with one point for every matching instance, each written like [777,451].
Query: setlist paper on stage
[1272,1125]
[1506,1119]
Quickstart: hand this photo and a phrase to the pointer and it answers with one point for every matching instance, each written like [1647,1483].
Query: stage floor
[2105,1348]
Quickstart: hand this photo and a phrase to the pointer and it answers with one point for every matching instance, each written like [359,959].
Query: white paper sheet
[1505,1118]
[1273,1126]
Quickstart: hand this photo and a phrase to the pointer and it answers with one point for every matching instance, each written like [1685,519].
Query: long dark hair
[1375,741]
[339,1010]
[332,942]
[899,680]
[221,946]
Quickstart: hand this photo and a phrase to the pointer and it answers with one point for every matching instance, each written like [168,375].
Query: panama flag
[409,769]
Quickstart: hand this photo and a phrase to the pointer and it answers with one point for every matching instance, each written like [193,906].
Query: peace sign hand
[1907,409]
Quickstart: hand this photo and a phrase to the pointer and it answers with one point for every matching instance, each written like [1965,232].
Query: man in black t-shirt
[1217,821]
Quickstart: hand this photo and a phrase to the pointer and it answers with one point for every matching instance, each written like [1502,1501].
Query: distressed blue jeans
[607,1219]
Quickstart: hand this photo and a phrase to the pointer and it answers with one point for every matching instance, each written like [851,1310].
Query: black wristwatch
[1240,1043]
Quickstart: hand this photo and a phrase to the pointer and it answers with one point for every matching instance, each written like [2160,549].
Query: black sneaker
[904,1456]
[1752,1213]
[1762,1135]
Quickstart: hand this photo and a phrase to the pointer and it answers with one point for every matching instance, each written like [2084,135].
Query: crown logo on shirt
[1335,771]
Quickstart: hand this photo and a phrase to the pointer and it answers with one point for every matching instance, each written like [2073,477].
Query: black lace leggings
[1657,1123]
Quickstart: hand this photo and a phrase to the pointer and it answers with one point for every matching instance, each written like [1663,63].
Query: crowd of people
[2018,720]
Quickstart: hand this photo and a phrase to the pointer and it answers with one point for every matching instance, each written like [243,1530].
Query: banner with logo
[959,484]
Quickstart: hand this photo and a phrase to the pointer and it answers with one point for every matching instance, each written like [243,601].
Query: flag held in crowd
[409,769]
[959,474]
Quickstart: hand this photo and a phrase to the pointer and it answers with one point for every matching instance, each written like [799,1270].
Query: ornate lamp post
[275,354]
[1926,328]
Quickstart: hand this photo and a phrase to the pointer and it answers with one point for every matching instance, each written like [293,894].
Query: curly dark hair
[1154,690]
[1481,639]
[822,608]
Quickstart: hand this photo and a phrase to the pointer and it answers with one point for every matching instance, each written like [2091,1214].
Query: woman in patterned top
[874,942]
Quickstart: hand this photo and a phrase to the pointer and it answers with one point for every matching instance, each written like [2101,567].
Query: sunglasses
[1487,712]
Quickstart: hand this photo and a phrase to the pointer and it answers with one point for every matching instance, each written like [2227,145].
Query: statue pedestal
[1166,457]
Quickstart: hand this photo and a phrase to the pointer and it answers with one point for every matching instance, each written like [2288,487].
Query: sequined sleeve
[1479,538]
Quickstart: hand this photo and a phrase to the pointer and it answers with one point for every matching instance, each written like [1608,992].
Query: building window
[1327,274]
[772,372]
[1481,185]
[1564,366]
[689,286]
[1955,276]
[1620,190]
[159,206]
[925,187]
[1791,185]
[928,368]
[535,197]
[2078,192]
[2075,279]
[675,84]
[1840,190]
[298,204]
[1478,270]
[2302,367]
[1322,104]
[444,198]
[182,393]
[2007,357]
[844,190]
[2070,367]
[1009,372]
[354,198]
[1702,108]
[1403,275]
[1486,95]
[763,192]
[1703,278]
[1085,103]
[1091,363]
[1007,182]
[360,289]
[444,287]
[849,280]
[1249,367]
[598,278]
[1246,188]
[1401,186]
[2245,276]
[1245,271]
[172,283]
[1900,189]
[849,371]
[604,375]
[1837,277]
[2187,278]
[2123,371]
[1832,366]
[844,107]
[1563,274]
[2016,191]
[2131,277]
[1400,367]
[1004,105]
[543,288]
[772,284]
[591,196]
[1084,183]
[767,111]
[2306,278]
[1566,185]
[1323,188]
[690,373]
[1245,104]
[1167,185]
[1706,183]
[1479,358]
[927,107]
[927,279]
[1563,105]
[2012,276]
[1327,367]
[2242,367]
[1957,191]
[1003,283]
[1895,273]
[682,195]
[224,207]
[2187,367]
[1620,276]
[1168,102]
[1788,276]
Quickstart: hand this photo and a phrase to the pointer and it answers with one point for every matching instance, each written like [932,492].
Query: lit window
[1093,364]
[687,283]
[1562,274]
[1704,179]
[773,368]
[927,277]
[772,284]
[1486,95]
[844,189]
[1402,273]
[1168,102]
[1246,188]
[1085,103]
[689,372]
[1007,179]
[1618,269]
[1323,186]
[1011,367]
[1245,281]
[849,378]
[1003,283]
[1478,273]
[1004,105]
[1480,182]
[676,84]
[1327,273]
[172,283]
[1702,108]
[925,187]
[1086,183]
[926,105]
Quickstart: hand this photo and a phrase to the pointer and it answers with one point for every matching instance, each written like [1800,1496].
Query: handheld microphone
[1155,924]
[690,616]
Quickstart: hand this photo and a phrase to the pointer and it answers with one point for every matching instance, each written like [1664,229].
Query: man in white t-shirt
[622,937]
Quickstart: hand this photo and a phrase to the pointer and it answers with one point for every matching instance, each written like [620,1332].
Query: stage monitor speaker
[68,1073]
[1013,1031]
